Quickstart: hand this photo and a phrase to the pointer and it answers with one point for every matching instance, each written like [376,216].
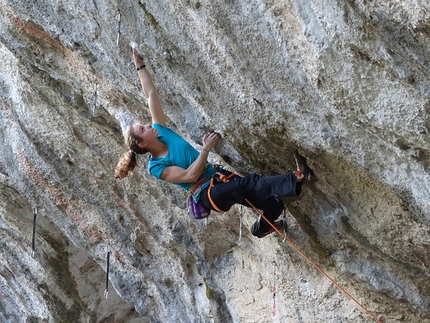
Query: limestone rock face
[345,82]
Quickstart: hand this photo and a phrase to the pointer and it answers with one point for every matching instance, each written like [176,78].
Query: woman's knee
[273,207]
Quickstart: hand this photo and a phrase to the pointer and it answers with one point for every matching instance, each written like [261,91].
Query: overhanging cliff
[345,82]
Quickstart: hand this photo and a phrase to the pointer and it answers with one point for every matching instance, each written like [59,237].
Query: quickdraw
[95,98]
[33,242]
[240,223]
[106,293]
[274,287]
[119,27]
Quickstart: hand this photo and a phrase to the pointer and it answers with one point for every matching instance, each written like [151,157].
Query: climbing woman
[174,160]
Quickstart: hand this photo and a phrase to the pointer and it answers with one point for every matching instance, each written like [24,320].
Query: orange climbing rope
[313,263]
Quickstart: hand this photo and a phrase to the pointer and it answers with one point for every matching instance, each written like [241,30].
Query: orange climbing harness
[197,186]
[224,178]
[312,263]
[218,177]
[200,184]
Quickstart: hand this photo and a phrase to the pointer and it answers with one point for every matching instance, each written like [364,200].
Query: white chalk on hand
[133,45]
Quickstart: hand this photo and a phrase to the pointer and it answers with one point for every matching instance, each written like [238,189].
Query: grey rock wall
[345,82]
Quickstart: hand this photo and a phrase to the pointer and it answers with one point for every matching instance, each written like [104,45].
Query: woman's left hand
[138,61]
[210,140]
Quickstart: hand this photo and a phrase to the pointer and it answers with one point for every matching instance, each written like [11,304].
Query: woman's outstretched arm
[150,92]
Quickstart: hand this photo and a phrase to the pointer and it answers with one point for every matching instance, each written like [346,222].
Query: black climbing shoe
[303,167]
[279,224]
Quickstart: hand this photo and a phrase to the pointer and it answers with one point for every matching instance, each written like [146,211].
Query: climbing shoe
[303,167]
[279,224]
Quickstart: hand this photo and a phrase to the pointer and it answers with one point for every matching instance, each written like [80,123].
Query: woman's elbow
[194,178]
[152,94]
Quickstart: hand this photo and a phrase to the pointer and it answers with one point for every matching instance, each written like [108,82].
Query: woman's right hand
[210,140]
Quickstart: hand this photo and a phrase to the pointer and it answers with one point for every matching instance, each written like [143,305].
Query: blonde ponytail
[128,161]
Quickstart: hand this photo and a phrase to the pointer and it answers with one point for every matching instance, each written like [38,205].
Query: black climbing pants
[261,191]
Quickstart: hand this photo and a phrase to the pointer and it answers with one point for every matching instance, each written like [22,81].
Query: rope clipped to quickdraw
[33,242]
[107,273]
[312,262]
[119,27]
[95,98]
[274,287]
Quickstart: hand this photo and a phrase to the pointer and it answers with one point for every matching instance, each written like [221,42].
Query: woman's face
[145,132]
